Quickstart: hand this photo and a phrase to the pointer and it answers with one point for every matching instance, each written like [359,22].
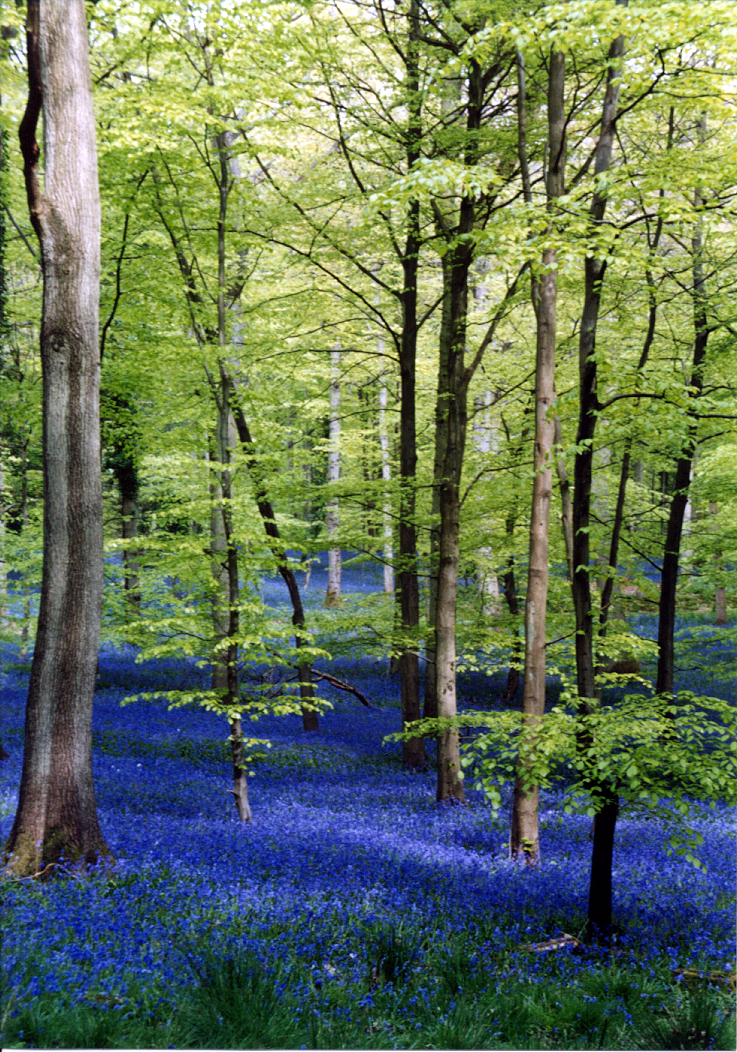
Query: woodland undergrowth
[353,912]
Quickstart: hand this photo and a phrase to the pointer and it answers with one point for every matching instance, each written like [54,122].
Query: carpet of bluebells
[346,849]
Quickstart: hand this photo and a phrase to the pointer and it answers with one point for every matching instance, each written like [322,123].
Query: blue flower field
[353,912]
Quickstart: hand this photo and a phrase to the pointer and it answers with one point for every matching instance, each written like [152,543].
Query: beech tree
[56,820]
[524,836]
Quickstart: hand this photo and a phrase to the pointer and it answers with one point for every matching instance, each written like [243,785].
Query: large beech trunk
[56,820]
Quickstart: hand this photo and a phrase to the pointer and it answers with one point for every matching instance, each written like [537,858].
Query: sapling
[654,752]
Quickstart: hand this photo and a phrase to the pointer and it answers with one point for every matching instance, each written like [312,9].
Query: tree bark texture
[56,819]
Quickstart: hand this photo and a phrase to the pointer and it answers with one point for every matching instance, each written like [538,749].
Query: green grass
[416,995]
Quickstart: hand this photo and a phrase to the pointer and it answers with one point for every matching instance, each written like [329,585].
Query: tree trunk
[127,476]
[674,528]
[310,720]
[564,486]
[413,749]
[386,478]
[442,401]
[226,604]
[452,415]
[452,418]
[486,575]
[720,592]
[56,817]
[524,830]
[599,917]
[599,913]
[332,595]
[25,583]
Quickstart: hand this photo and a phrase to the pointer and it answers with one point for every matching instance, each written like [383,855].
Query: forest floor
[353,911]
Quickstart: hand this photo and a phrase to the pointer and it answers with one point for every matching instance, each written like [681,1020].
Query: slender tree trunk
[413,749]
[194,301]
[674,529]
[226,608]
[126,474]
[332,595]
[454,414]
[599,921]
[486,575]
[524,826]
[442,402]
[310,720]
[57,815]
[720,592]
[25,584]
[386,478]
[564,487]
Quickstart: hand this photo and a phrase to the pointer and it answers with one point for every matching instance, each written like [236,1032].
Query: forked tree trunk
[56,817]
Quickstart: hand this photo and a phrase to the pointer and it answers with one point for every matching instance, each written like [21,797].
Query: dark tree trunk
[310,721]
[674,529]
[126,474]
[413,749]
[510,597]
[599,913]
[56,817]
[600,896]
[430,710]
[452,423]
[226,609]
